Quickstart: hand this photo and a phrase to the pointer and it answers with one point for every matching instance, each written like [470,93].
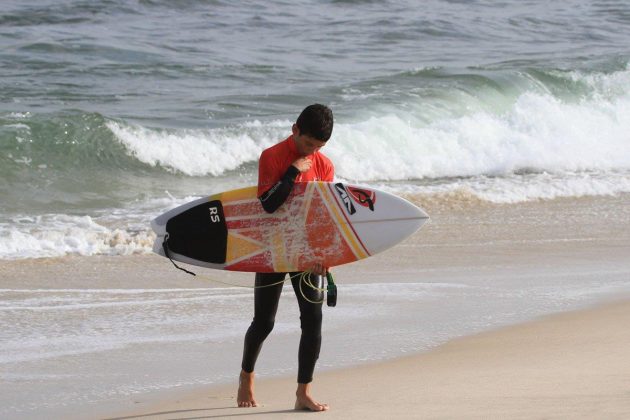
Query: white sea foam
[539,146]
[19,115]
[58,234]
[199,152]
[126,231]
[538,132]
[519,188]
[116,231]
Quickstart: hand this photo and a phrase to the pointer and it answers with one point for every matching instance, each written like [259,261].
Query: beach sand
[565,365]
[572,365]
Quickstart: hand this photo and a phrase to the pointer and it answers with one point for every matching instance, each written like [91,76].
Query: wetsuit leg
[265,307]
[311,324]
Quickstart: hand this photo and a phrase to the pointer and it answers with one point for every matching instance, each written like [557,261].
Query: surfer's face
[306,145]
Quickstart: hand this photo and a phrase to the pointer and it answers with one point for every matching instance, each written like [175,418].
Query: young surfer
[296,159]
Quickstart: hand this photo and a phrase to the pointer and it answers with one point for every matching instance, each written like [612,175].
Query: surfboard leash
[167,254]
[305,277]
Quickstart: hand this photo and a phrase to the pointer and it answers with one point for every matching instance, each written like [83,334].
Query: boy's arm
[275,196]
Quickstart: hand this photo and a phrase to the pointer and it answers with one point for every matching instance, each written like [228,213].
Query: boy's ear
[295,129]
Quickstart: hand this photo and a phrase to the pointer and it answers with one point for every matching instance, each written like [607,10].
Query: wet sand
[573,365]
[570,365]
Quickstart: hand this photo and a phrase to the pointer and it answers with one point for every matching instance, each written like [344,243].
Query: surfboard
[320,222]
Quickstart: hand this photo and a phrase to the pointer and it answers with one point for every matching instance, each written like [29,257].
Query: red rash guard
[276,174]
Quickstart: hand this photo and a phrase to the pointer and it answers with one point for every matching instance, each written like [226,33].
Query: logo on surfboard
[345,198]
[214,215]
[365,198]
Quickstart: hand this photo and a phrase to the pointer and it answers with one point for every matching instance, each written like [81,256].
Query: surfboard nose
[400,208]
[385,221]
[416,216]
[423,214]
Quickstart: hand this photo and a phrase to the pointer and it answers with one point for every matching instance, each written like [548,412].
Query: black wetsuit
[266,300]
[265,307]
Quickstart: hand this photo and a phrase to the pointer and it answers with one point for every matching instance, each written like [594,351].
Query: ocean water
[113,111]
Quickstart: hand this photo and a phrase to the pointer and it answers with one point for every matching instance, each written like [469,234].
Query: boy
[296,159]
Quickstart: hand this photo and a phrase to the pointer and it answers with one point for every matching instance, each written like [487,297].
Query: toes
[310,405]
[322,407]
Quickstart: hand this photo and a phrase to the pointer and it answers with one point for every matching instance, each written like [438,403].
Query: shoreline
[571,364]
[105,332]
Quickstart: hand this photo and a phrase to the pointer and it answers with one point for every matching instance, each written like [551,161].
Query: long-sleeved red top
[275,169]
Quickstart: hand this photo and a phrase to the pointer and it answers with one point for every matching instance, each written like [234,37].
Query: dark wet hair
[316,121]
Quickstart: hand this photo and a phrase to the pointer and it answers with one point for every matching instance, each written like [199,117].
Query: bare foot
[245,397]
[304,400]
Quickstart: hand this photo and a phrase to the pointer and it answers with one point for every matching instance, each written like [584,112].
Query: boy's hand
[303,164]
[319,269]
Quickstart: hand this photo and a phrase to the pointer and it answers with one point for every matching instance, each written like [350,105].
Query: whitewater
[103,127]
[487,145]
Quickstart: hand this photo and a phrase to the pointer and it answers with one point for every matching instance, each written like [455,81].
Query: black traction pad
[199,233]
